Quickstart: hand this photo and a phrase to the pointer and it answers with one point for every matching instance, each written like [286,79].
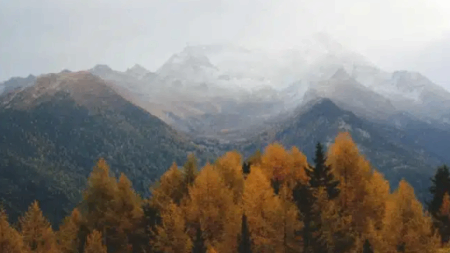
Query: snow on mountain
[137,71]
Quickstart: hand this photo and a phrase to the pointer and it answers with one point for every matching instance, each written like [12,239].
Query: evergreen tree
[321,175]
[367,248]
[94,243]
[244,240]
[199,242]
[440,186]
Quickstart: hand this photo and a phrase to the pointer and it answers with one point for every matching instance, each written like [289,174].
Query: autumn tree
[170,235]
[69,231]
[36,231]
[211,206]
[126,213]
[244,240]
[262,208]
[190,171]
[276,163]
[405,227]
[354,174]
[10,240]
[229,168]
[94,243]
[170,188]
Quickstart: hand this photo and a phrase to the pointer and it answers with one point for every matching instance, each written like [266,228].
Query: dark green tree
[199,242]
[440,185]
[321,175]
[367,248]
[244,240]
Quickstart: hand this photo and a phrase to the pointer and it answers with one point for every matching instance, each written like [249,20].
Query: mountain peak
[341,74]
[137,71]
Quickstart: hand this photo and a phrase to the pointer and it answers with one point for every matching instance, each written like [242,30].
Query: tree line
[274,202]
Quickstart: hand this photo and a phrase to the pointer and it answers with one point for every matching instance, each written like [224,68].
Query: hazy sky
[41,36]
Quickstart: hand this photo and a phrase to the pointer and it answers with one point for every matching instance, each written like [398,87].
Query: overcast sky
[41,36]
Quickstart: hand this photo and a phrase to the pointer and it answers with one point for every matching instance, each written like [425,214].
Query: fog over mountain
[148,32]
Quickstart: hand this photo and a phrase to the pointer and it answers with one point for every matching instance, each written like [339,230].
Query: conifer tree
[199,242]
[94,243]
[68,233]
[10,240]
[229,168]
[37,232]
[170,189]
[367,248]
[321,175]
[439,188]
[444,219]
[244,240]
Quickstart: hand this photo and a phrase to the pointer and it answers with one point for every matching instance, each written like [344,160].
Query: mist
[49,35]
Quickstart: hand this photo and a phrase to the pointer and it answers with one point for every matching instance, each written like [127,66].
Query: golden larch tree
[10,239]
[262,208]
[94,243]
[211,206]
[170,188]
[230,169]
[68,233]
[37,232]
[405,227]
[276,162]
[170,235]
[354,173]
[125,214]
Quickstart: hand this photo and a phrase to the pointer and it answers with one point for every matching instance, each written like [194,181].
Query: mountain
[54,132]
[16,83]
[384,146]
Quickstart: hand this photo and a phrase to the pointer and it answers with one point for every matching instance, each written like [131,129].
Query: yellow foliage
[171,236]
[212,206]
[405,225]
[262,208]
[354,173]
[10,240]
[230,169]
[170,188]
[67,235]
[37,232]
[94,243]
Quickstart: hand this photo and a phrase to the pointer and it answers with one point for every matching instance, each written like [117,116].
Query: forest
[272,202]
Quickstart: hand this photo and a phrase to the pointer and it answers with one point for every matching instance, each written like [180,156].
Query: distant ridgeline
[274,201]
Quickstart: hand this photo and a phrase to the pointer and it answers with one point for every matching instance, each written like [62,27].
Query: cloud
[50,35]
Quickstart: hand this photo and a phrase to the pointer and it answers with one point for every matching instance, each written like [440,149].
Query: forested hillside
[272,202]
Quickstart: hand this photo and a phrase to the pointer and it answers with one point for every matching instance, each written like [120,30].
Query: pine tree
[10,240]
[37,232]
[367,248]
[94,243]
[440,186]
[244,240]
[199,242]
[321,174]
